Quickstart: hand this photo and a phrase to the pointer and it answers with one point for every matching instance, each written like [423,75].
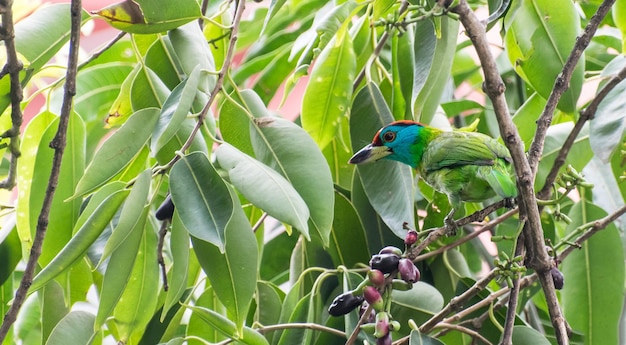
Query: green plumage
[466,166]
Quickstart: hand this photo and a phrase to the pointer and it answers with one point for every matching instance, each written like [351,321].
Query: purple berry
[386,340]
[376,277]
[382,325]
[410,238]
[385,262]
[408,272]
[344,303]
[391,250]
[373,297]
[557,278]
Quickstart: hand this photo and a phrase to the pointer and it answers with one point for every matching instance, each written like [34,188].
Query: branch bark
[58,144]
[537,257]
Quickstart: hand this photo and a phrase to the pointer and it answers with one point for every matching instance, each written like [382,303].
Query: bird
[466,166]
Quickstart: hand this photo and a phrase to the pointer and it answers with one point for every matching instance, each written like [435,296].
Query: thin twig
[58,144]
[162,233]
[240,7]
[13,67]
[465,330]
[509,321]
[404,5]
[561,84]
[458,302]
[585,115]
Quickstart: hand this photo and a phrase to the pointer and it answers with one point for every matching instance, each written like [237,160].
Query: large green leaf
[139,301]
[348,243]
[593,294]
[232,274]
[417,338]
[388,184]
[329,91]
[524,335]
[540,34]
[264,187]
[76,325]
[118,150]
[192,51]
[63,213]
[150,16]
[433,63]
[175,111]
[608,125]
[525,118]
[86,235]
[123,246]
[202,199]
[178,275]
[245,335]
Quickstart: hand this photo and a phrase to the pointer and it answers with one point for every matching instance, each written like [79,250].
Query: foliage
[270,223]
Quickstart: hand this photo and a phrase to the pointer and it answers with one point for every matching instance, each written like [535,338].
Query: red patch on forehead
[376,141]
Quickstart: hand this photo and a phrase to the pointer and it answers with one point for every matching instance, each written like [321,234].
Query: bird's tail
[501,181]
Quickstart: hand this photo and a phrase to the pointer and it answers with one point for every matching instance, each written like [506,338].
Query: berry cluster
[375,290]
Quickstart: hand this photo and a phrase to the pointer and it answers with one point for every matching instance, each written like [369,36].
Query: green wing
[455,149]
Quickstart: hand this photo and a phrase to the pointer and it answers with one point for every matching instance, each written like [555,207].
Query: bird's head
[396,141]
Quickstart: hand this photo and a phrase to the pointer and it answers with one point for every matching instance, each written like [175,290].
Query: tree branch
[537,257]
[585,115]
[561,84]
[58,144]
[13,67]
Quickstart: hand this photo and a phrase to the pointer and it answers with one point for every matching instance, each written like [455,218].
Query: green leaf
[524,335]
[232,275]
[177,279]
[118,150]
[246,335]
[53,308]
[63,213]
[82,239]
[175,111]
[76,325]
[192,51]
[123,246]
[150,16]
[25,174]
[416,338]
[264,187]
[202,199]
[42,34]
[388,184]
[433,65]
[288,149]
[348,243]
[525,118]
[419,303]
[139,300]
[10,252]
[329,91]
[593,294]
[540,34]
[607,128]
[147,91]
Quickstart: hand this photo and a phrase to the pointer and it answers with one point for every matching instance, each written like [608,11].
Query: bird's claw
[450,225]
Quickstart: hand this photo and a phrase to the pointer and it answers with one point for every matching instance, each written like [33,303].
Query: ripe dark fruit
[410,238]
[166,210]
[557,278]
[386,262]
[344,303]
[408,272]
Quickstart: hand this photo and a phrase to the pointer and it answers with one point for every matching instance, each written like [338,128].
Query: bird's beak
[370,153]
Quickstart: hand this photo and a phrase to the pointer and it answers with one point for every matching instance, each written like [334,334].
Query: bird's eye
[389,136]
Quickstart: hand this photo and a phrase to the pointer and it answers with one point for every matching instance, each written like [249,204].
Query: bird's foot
[509,203]
[450,225]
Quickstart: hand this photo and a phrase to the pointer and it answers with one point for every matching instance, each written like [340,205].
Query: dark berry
[391,250]
[166,210]
[385,262]
[557,278]
[344,303]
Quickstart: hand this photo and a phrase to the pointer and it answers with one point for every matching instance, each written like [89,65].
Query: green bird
[466,166]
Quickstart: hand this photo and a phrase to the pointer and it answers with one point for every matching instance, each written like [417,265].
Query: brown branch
[561,84]
[240,7]
[537,257]
[13,67]
[458,302]
[160,259]
[585,115]
[58,144]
